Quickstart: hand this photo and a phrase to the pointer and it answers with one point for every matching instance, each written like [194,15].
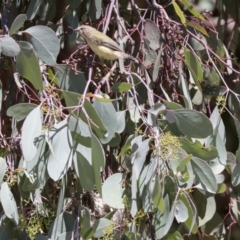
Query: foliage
[119,150]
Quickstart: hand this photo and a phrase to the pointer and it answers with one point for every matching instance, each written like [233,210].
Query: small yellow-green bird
[102,45]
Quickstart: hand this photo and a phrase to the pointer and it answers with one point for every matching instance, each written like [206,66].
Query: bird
[102,45]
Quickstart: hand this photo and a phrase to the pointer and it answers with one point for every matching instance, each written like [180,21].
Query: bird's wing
[109,43]
[113,45]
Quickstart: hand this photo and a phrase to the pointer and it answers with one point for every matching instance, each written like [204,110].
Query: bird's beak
[76,29]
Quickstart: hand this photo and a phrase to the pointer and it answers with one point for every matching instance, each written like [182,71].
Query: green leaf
[36,169]
[205,175]
[184,86]
[140,157]
[210,211]
[7,229]
[17,23]
[196,44]
[218,164]
[99,226]
[107,114]
[9,47]
[179,13]
[236,175]
[45,43]
[41,237]
[190,223]
[222,188]
[65,222]
[121,87]
[20,110]
[133,110]
[200,201]
[175,236]
[120,121]
[198,150]
[60,154]
[153,113]
[126,146]
[145,190]
[181,211]
[172,105]
[98,161]
[115,141]
[113,198]
[94,9]
[85,221]
[188,6]
[197,27]
[83,167]
[68,80]
[28,66]
[194,67]
[157,195]
[191,122]
[8,203]
[73,99]
[184,162]
[33,8]
[160,219]
[31,129]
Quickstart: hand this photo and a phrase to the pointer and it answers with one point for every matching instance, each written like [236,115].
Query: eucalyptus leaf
[205,174]
[113,198]
[60,153]
[17,23]
[98,161]
[28,66]
[108,115]
[20,110]
[31,129]
[190,123]
[99,226]
[45,43]
[9,47]
[9,203]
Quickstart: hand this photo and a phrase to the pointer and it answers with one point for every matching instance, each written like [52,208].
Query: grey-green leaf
[99,226]
[107,114]
[28,66]
[60,156]
[205,174]
[8,203]
[98,161]
[140,157]
[113,198]
[20,110]
[33,8]
[17,23]
[68,80]
[191,123]
[84,168]
[181,211]
[45,43]
[9,47]
[31,129]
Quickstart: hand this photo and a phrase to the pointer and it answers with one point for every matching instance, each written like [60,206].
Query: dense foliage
[114,149]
